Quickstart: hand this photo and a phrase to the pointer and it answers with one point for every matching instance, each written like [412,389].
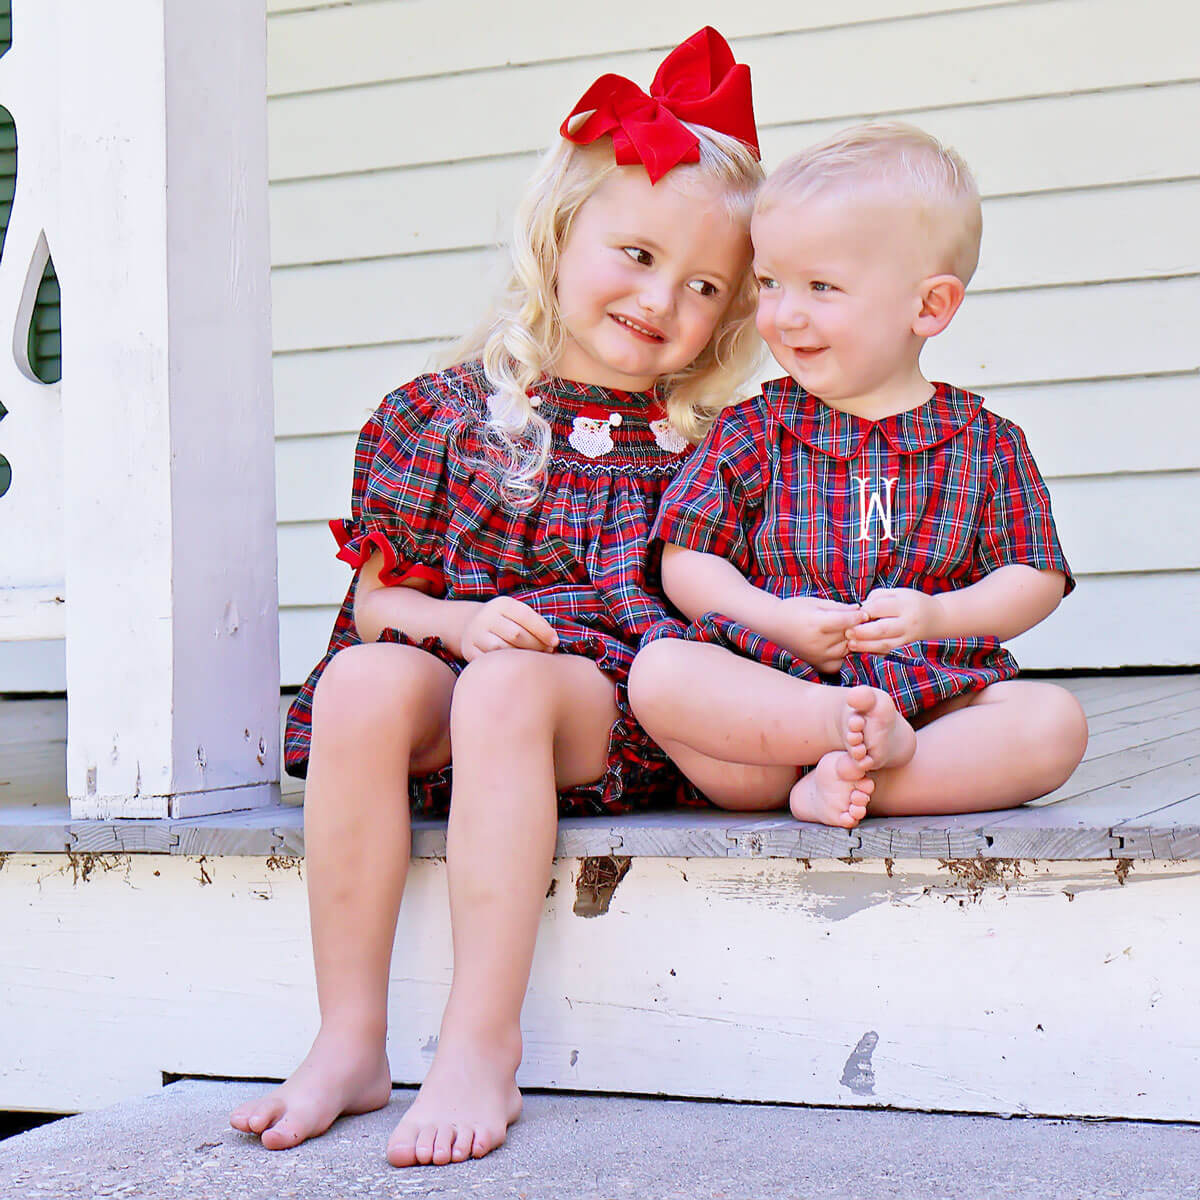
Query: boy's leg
[740,730]
[380,711]
[999,747]
[524,725]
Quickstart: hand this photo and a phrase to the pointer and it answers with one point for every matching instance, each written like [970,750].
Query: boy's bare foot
[872,729]
[835,792]
[463,1110]
[339,1076]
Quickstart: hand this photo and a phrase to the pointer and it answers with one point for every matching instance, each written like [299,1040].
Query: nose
[656,296]
[790,312]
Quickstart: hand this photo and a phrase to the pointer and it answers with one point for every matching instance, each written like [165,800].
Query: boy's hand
[815,630]
[895,617]
[505,623]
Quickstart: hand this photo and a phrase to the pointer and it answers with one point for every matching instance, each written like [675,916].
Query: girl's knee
[366,685]
[503,688]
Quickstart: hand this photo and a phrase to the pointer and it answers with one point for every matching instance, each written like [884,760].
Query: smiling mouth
[647,332]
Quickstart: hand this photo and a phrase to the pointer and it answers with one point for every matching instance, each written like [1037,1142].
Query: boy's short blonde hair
[903,162]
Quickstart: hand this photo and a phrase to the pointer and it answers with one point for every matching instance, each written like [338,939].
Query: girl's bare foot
[835,792]
[464,1108]
[341,1075]
[872,729]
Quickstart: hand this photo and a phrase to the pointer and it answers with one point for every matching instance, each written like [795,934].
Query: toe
[264,1116]
[461,1150]
[443,1141]
[402,1151]
[281,1136]
[424,1147]
[486,1140]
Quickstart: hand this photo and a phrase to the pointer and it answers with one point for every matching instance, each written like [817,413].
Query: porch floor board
[1135,795]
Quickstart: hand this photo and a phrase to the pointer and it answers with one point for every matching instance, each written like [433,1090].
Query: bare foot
[872,730]
[339,1076]
[835,792]
[463,1110]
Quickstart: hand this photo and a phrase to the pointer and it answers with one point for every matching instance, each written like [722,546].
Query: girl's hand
[895,617]
[816,630]
[505,623]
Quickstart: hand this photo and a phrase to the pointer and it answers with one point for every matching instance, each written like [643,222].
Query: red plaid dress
[578,557]
[807,500]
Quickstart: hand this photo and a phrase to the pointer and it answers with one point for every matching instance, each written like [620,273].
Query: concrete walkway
[178,1144]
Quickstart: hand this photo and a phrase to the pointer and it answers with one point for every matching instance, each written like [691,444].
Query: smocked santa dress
[807,500]
[577,556]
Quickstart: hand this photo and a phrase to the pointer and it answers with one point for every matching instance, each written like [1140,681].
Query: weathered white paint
[1055,991]
[171,616]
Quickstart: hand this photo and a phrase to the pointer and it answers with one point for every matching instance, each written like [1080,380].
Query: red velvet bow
[697,82]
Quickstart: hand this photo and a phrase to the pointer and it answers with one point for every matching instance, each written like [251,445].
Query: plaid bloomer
[807,500]
[577,557]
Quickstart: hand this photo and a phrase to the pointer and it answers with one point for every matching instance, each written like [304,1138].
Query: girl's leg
[524,725]
[380,711]
[1006,744]
[740,730]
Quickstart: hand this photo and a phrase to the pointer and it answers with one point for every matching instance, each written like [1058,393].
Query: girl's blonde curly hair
[523,336]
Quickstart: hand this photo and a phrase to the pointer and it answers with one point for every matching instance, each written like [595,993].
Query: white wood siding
[402,131]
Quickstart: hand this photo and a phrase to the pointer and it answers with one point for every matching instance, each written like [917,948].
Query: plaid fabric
[805,499]
[578,557]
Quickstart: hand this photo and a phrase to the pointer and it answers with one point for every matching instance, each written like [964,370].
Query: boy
[852,545]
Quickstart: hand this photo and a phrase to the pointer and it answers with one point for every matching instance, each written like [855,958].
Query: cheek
[764,317]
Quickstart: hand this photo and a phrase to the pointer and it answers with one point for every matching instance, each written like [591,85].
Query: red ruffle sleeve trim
[355,549]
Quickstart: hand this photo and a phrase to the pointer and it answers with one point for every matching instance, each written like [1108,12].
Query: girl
[500,519]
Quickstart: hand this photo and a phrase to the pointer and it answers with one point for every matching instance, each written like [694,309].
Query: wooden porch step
[1135,795]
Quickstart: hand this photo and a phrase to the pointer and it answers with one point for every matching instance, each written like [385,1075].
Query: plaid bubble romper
[805,499]
[577,557]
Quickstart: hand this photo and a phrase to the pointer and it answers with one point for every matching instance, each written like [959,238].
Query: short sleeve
[398,502]
[1017,525]
[716,496]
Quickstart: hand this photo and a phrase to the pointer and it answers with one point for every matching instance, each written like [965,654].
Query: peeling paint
[204,878]
[286,862]
[598,879]
[1122,869]
[83,864]
[431,1045]
[574,1057]
[552,888]
[858,1075]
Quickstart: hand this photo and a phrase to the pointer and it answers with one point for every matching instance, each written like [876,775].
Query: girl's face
[644,276]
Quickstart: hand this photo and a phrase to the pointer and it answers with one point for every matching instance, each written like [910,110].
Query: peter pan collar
[842,434]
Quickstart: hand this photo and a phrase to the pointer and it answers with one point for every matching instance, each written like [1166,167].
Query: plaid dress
[807,500]
[577,557]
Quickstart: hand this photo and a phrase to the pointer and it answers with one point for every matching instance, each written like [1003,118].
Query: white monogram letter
[882,507]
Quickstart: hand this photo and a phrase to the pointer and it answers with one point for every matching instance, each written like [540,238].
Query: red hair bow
[697,82]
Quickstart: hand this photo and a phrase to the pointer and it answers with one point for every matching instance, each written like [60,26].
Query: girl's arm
[811,628]
[467,628]
[1002,604]
[408,608]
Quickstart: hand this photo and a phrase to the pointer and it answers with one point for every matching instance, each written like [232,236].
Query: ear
[940,297]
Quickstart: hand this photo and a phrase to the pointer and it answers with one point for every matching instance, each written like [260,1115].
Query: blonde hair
[906,164]
[523,335]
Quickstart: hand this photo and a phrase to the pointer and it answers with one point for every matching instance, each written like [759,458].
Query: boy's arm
[811,628]
[1004,603]
[468,628]
[697,583]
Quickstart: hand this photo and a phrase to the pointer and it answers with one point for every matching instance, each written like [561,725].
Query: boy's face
[840,286]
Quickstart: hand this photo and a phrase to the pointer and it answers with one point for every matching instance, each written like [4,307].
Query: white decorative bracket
[149,180]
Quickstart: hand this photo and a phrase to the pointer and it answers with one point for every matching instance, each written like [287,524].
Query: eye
[702,287]
[819,285]
[766,283]
[642,257]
